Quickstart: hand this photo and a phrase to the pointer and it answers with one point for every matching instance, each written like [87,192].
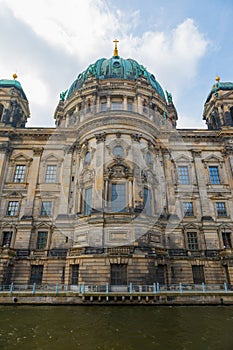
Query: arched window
[231,112]
[87,158]
[1,111]
[147,201]
[118,197]
[117,194]
[148,157]
[88,201]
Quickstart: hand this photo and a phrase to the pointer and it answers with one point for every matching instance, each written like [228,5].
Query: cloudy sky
[185,44]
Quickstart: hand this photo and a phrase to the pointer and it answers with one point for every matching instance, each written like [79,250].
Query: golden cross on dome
[115,53]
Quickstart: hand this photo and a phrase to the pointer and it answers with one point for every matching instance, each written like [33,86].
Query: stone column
[169,185]
[76,188]
[32,181]
[125,106]
[99,175]
[201,183]
[108,103]
[65,177]
[5,152]
[139,104]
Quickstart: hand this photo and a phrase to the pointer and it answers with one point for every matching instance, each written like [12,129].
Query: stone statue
[169,96]
[63,95]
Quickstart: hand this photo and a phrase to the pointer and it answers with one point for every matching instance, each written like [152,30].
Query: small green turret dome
[118,68]
[10,83]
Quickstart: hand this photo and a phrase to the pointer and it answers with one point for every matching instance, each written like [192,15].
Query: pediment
[14,194]
[213,158]
[43,225]
[191,226]
[21,157]
[182,158]
[51,158]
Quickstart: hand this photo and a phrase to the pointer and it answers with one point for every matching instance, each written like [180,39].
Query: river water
[116,328]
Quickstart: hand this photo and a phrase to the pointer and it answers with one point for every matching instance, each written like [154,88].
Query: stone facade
[115,193]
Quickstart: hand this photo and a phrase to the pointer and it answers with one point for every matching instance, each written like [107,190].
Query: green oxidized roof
[219,86]
[12,83]
[115,67]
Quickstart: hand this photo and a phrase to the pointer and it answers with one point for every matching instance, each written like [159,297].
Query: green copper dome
[115,67]
[8,83]
[219,86]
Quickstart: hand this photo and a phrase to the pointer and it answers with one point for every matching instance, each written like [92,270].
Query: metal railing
[155,288]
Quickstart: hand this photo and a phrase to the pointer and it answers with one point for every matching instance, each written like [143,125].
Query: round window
[116,64]
[118,151]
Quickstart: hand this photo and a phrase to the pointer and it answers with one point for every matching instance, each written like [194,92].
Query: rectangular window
[88,201]
[51,174]
[36,274]
[19,173]
[188,208]
[214,175]
[226,239]
[160,274]
[198,274]
[116,106]
[119,274]
[192,240]
[42,240]
[118,198]
[74,274]
[221,209]
[46,208]
[103,106]
[183,175]
[13,208]
[130,106]
[147,201]
[6,240]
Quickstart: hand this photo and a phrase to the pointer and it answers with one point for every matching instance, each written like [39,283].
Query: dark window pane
[147,201]
[198,274]
[188,208]
[192,240]
[118,198]
[183,175]
[119,274]
[74,274]
[46,208]
[221,209]
[160,274]
[13,208]
[36,274]
[6,241]
[88,201]
[19,173]
[42,240]
[214,175]
[51,174]
[226,238]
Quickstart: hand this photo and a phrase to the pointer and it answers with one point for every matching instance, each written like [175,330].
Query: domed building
[115,194]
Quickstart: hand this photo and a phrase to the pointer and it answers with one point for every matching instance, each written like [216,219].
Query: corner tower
[14,109]
[218,108]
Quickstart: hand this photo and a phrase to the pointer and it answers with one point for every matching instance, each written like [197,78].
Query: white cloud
[55,40]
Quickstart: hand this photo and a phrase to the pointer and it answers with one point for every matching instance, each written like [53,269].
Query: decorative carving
[118,134]
[101,137]
[118,170]
[136,137]
[37,151]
